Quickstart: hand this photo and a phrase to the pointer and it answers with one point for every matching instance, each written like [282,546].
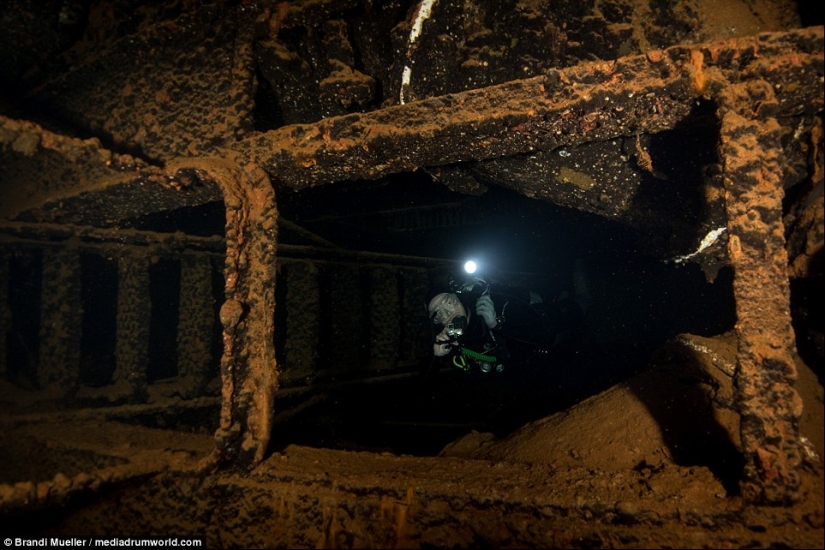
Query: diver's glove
[443,344]
[486,310]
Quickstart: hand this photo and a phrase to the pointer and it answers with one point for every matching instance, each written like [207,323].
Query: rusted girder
[769,405]
[589,102]
[57,179]
[598,101]
[249,372]
[51,178]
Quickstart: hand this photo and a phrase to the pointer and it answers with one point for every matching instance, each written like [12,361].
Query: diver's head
[444,307]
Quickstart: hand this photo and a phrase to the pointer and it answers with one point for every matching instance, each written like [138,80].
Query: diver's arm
[486,310]
[443,344]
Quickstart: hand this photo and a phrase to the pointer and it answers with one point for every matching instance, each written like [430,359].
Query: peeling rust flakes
[643,157]
[699,79]
[734,247]
[655,56]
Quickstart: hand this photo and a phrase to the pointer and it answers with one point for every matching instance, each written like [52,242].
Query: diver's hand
[486,310]
[443,344]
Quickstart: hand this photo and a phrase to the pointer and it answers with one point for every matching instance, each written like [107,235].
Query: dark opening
[636,303]
[217,333]
[164,291]
[203,220]
[23,338]
[99,285]
[280,315]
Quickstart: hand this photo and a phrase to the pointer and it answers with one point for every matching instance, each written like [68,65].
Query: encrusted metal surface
[52,178]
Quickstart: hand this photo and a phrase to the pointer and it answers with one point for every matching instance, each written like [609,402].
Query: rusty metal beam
[90,238]
[52,178]
[82,183]
[586,103]
[249,371]
[769,405]
[594,101]
[589,102]
[598,101]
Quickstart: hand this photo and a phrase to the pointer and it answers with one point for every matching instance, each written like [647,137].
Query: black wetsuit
[522,329]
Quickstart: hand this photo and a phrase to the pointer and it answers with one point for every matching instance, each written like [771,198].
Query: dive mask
[444,307]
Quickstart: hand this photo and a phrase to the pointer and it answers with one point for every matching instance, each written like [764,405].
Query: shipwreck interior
[221,223]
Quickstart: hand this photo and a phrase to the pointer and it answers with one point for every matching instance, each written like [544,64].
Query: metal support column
[196,322]
[384,319]
[415,335]
[134,312]
[303,310]
[770,406]
[345,334]
[61,321]
[249,373]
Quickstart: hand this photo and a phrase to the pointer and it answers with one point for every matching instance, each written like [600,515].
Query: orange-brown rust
[769,405]
[248,367]
[475,124]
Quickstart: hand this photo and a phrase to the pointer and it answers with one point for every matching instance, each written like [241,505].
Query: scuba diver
[481,322]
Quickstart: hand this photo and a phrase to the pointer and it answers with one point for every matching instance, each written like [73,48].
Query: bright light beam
[470,267]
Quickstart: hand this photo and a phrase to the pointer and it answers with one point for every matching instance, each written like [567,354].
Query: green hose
[478,356]
[461,363]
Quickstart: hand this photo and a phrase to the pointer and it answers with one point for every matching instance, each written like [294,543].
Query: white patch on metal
[810,452]
[707,242]
[405,81]
[425,9]
[717,361]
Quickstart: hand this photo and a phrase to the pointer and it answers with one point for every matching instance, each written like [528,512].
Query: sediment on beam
[80,182]
[589,102]
[173,406]
[173,244]
[769,404]
[249,373]
[92,238]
